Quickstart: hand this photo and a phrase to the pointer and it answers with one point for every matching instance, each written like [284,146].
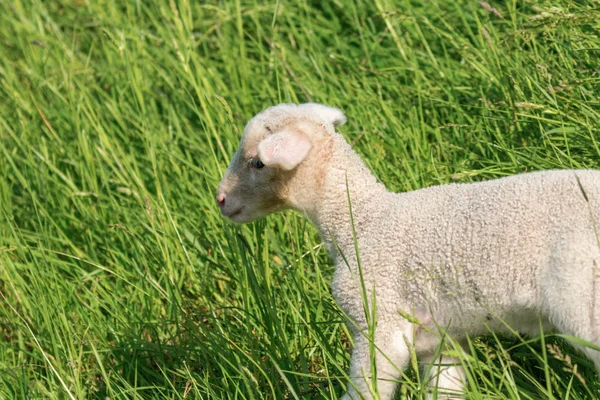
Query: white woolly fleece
[513,251]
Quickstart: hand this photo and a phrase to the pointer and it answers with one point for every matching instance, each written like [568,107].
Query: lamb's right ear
[328,114]
[284,149]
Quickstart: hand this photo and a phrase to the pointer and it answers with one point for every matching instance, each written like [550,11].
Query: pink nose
[221,200]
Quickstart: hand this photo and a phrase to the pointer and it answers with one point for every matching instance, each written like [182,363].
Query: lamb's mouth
[234,213]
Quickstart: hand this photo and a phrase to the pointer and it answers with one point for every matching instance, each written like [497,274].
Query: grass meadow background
[118,277]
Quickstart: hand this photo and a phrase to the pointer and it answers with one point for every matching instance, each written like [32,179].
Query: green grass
[118,277]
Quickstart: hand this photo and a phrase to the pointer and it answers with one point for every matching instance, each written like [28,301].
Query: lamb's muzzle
[221,200]
[466,257]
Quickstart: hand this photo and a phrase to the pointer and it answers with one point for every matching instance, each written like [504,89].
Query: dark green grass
[118,277]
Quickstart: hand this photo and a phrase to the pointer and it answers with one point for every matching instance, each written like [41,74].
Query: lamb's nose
[221,200]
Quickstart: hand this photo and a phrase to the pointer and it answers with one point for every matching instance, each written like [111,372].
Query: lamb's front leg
[391,358]
[446,379]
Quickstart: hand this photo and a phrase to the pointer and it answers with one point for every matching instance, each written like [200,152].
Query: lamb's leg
[571,290]
[447,376]
[590,335]
[576,324]
[594,355]
[391,357]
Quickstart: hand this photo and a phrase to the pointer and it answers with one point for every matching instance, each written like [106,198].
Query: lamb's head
[280,162]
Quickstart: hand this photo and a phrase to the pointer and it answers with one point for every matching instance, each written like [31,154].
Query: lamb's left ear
[284,149]
[328,114]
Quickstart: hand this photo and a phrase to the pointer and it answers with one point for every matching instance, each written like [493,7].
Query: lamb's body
[509,246]
[511,251]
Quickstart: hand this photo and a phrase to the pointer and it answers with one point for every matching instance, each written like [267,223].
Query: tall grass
[118,277]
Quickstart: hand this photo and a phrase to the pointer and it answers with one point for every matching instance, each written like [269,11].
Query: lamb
[465,257]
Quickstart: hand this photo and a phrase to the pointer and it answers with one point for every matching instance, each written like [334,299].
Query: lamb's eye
[256,163]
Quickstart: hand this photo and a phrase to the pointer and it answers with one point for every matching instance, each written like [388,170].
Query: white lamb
[515,251]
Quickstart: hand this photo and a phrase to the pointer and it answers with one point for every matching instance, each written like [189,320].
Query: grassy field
[118,277]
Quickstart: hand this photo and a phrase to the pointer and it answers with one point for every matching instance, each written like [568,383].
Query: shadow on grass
[195,357]
[200,359]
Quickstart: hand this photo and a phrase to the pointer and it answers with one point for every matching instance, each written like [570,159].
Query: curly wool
[466,257]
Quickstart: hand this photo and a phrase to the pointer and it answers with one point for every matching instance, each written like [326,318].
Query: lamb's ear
[328,114]
[284,149]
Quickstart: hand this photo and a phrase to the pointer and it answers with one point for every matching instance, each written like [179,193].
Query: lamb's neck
[349,185]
